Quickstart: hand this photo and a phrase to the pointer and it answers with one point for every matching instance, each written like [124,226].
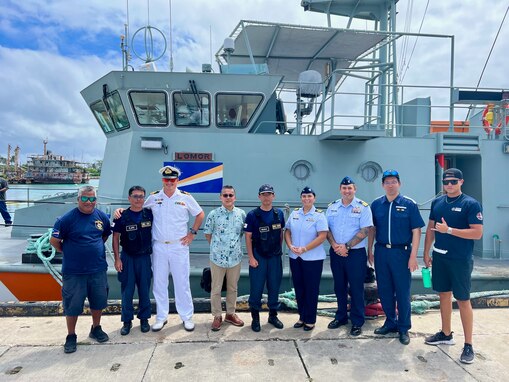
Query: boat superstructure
[292,106]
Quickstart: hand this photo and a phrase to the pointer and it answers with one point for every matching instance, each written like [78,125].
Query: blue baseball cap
[264,188]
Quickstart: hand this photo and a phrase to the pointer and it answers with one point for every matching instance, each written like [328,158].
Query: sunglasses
[450,181]
[170,180]
[390,173]
[228,195]
[90,199]
[139,197]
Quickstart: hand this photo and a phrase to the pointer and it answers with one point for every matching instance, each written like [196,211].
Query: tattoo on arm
[359,236]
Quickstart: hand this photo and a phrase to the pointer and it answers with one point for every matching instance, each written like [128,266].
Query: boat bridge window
[103,118]
[191,109]
[117,111]
[236,110]
[150,108]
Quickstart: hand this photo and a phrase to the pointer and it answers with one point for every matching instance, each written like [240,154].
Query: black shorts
[452,275]
[76,288]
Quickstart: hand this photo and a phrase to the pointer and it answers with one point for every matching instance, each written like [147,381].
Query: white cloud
[39,96]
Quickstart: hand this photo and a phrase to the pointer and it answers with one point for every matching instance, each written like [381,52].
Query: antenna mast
[171,40]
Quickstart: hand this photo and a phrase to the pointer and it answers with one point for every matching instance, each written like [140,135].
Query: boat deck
[488,274]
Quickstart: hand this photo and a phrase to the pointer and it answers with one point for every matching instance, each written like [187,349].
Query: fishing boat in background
[293,106]
[50,168]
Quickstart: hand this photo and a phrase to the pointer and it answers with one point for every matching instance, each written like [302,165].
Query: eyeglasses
[170,180]
[139,197]
[228,195]
[90,199]
[387,173]
[450,181]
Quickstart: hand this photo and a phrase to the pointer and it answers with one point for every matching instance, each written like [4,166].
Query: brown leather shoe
[216,324]
[234,320]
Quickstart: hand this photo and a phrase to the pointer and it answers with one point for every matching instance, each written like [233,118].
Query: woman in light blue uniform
[306,230]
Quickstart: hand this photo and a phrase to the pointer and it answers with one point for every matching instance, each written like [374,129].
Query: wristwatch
[193,231]
[348,247]
[449,230]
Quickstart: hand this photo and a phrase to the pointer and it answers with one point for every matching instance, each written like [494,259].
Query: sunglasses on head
[90,199]
[450,181]
[138,197]
[170,180]
[228,195]
[390,173]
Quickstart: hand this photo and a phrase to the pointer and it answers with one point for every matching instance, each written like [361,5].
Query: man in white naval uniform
[171,239]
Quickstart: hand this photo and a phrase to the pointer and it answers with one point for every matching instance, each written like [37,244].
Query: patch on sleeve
[479,216]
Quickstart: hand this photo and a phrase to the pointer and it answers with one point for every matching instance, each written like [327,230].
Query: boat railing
[418,107]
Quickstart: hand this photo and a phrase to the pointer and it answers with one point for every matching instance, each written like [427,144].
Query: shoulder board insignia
[363,203]
[296,209]
[319,210]
[154,192]
[184,192]
[335,201]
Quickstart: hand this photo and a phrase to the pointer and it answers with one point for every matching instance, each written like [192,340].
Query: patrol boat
[295,106]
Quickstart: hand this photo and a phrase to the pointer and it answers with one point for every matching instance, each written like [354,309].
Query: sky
[52,49]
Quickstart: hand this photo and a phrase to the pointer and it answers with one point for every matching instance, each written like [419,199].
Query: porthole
[301,169]
[369,171]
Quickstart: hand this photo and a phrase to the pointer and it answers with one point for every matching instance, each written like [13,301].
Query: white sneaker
[189,325]
[158,325]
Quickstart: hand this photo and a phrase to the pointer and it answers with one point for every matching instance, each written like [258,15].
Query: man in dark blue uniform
[397,227]
[133,231]
[455,221]
[80,235]
[264,235]
[349,220]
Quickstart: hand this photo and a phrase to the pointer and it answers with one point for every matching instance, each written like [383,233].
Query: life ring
[487,118]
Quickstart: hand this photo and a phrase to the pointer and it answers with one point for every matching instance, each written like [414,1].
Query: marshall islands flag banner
[206,177]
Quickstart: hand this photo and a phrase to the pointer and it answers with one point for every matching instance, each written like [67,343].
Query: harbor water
[23,195]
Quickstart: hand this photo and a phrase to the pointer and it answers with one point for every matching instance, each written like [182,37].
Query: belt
[438,250]
[168,241]
[396,246]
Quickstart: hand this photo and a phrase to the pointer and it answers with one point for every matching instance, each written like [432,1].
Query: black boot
[274,320]
[126,328]
[255,324]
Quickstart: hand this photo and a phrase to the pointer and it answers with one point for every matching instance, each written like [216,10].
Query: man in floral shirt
[223,230]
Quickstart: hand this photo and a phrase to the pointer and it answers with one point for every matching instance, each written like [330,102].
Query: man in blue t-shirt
[264,236]
[80,235]
[455,221]
[133,231]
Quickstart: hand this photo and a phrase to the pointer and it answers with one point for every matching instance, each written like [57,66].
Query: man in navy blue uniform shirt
[133,231]
[455,221]
[80,235]
[264,236]
[349,220]
[397,227]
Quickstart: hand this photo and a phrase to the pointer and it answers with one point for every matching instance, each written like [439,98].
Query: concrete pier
[31,349]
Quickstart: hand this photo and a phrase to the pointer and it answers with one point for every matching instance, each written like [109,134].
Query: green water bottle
[426,277]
